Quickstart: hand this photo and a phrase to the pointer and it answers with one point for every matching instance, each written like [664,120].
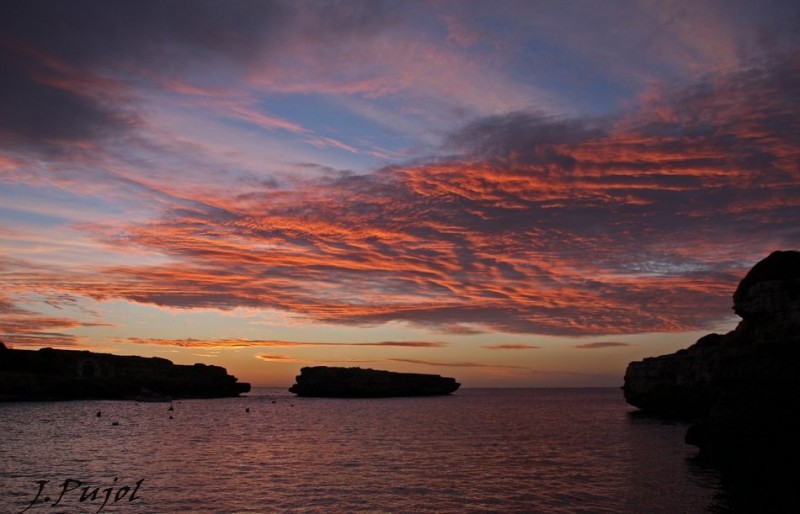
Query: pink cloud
[263,343]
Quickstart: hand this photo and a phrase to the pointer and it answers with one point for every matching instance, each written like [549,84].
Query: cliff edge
[741,390]
[49,374]
[333,382]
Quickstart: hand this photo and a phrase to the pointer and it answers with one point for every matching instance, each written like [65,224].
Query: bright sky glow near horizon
[512,193]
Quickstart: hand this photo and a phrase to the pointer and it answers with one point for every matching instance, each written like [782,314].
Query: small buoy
[98,414]
[247,409]
[170,417]
[170,408]
[115,423]
[273,401]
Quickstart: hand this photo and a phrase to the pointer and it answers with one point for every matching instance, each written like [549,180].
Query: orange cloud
[23,327]
[534,225]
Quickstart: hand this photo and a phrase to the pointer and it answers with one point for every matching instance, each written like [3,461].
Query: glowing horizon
[518,194]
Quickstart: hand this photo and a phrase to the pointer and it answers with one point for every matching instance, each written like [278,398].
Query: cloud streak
[274,357]
[601,345]
[259,343]
[512,347]
[457,364]
[23,327]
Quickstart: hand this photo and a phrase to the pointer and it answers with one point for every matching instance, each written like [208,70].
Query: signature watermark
[72,488]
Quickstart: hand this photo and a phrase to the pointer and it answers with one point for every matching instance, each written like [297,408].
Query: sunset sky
[527,193]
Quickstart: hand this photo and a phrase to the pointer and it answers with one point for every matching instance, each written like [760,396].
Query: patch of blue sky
[583,87]
[28,216]
[327,118]
[51,205]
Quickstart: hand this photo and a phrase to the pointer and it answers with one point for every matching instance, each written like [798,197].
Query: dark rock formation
[741,389]
[331,382]
[50,374]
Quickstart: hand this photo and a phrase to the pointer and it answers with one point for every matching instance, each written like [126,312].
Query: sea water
[478,450]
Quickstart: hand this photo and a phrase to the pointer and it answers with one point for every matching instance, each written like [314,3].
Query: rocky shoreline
[48,374]
[741,390]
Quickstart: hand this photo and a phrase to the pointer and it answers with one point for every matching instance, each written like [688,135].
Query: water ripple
[476,451]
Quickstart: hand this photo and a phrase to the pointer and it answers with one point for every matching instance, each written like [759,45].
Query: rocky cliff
[334,382]
[741,389]
[49,374]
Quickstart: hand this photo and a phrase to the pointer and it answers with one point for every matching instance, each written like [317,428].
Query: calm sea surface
[479,450]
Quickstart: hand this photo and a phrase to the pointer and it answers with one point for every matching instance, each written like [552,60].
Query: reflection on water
[479,450]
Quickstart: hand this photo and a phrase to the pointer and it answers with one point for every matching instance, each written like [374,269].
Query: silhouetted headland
[335,382]
[49,374]
[742,389]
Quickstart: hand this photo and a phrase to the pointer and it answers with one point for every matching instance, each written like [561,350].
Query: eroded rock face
[336,382]
[771,290]
[741,389]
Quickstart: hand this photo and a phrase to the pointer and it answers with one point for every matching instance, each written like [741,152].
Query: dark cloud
[57,59]
[68,69]
[526,137]
[170,34]
[601,345]
[511,347]
[406,344]
[457,364]
[38,114]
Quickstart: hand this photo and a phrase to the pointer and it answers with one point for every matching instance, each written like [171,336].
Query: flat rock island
[49,374]
[740,390]
[338,382]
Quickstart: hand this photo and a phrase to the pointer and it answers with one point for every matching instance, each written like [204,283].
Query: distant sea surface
[478,450]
